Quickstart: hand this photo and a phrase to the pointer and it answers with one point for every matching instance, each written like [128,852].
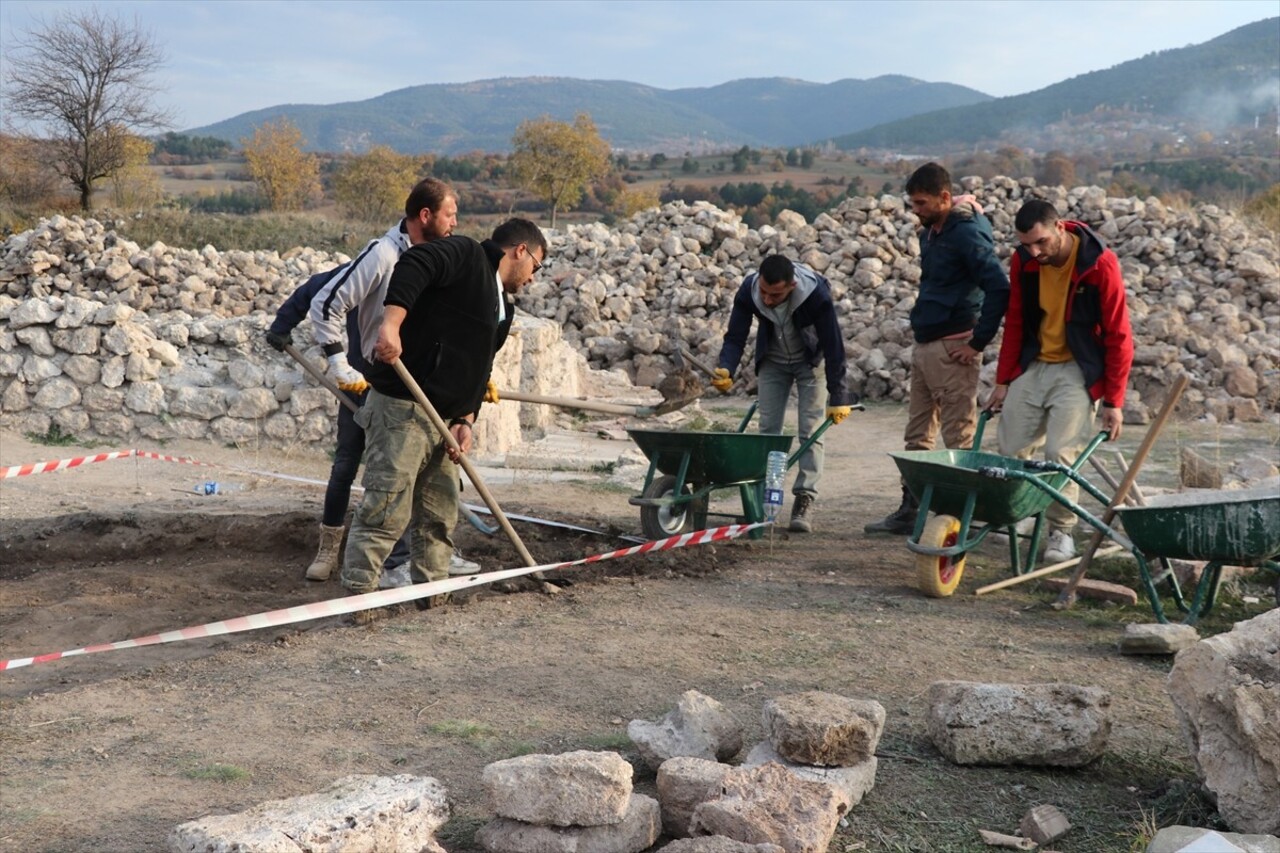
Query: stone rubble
[355,813]
[1055,725]
[699,727]
[107,339]
[569,803]
[1226,691]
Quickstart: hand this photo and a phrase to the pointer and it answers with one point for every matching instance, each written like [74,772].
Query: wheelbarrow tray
[1235,527]
[713,457]
[954,476]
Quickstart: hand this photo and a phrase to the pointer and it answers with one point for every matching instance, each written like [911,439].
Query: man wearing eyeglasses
[446,314]
[798,335]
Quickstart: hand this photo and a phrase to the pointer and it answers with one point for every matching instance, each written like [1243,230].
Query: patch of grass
[460,832]
[468,730]
[521,747]
[53,437]
[615,741]
[217,772]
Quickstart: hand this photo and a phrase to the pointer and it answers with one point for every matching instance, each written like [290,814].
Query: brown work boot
[432,602]
[329,555]
[802,514]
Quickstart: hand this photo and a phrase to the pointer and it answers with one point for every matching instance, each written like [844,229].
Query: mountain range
[483,115]
[1230,78]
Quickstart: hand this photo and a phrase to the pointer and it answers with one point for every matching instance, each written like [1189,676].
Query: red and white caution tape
[64,464]
[381,598]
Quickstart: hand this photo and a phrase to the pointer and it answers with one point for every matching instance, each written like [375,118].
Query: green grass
[53,437]
[467,730]
[217,772]
[608,741]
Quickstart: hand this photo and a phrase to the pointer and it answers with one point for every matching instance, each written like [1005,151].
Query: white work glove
[344,375]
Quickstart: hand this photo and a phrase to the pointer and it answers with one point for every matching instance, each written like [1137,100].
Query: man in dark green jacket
[963,295]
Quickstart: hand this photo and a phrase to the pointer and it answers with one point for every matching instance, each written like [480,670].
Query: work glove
[722,381]
[838,413]
[490,392]
[279,342]
[346,376]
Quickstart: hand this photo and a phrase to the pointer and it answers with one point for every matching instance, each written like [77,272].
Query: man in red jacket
[1067,345]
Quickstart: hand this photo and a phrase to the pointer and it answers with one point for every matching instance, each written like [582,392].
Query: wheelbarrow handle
[994,472]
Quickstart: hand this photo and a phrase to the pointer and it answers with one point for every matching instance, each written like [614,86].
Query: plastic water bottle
[775,474]
[213,487]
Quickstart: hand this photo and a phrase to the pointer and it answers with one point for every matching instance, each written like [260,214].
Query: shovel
[590,406]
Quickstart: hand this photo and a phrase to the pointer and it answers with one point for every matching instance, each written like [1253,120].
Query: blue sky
[226,57]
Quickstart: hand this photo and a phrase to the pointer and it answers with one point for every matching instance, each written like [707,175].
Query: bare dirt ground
[108,752]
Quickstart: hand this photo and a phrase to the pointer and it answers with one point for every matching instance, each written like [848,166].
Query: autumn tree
[1057,170]
[133,185]
[286,176]
[555,160]
[372,186]
[84,80]
[25,175]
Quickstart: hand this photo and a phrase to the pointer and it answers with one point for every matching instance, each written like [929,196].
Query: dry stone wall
[106,339]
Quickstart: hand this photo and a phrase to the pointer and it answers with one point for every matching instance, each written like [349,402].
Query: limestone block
[37,339]
[1059,725]
[145,397]
[1176,839]
[717,844]
[1156,639]
[637,830]
[82,340]
[203,403]
[683,784]
[850,783]
[1226,690]
[97,398]
[577,788]
[33,312]
[354,813]
[768,804]
[252,403]
[57,393]
[698,726]
[823,728]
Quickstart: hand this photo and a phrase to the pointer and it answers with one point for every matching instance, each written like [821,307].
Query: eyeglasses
[537,264]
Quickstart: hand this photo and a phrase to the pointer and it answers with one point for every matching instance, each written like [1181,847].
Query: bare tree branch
[86,78]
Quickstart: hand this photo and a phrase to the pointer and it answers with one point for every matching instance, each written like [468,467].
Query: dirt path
[110,751]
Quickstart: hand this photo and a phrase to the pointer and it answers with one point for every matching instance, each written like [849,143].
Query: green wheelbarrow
[1223,528]
[967,486]
[686,467]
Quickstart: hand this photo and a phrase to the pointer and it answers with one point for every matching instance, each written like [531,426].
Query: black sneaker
[802,514]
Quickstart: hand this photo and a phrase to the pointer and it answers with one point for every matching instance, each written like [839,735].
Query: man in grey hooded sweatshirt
[798,334]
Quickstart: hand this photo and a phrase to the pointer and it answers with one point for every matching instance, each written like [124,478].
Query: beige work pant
[1049,406]
[943,392]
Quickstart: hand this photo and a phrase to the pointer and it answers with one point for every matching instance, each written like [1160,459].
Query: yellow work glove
[722,381]
[346,377]
[490,392]
[838,413]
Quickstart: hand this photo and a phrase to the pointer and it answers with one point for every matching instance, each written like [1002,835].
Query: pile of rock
[84,309]
[574,801]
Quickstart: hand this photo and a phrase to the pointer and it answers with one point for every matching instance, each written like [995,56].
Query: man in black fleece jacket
[446,314]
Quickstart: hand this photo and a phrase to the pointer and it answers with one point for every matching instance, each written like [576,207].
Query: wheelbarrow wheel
[936,576]
[659,522]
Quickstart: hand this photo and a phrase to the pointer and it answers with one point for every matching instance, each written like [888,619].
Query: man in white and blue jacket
[798,343]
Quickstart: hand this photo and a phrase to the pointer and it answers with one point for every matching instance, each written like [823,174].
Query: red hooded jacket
[1098,331]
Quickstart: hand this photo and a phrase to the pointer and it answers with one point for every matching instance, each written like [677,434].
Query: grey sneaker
[458,567]
[1060,547]
[802,514]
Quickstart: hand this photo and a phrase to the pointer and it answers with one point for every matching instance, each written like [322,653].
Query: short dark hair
[1033,213]
[428,193]
[776,269]
[930,179]
[515,231]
